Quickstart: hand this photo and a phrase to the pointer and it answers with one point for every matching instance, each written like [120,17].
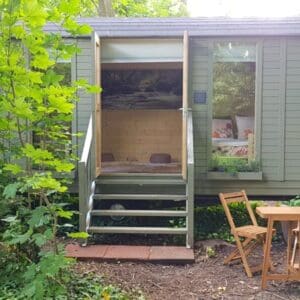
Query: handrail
[86,179]
[190,179]
[87,142]
[190,140]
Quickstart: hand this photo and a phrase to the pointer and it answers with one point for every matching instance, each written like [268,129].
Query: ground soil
[207,278]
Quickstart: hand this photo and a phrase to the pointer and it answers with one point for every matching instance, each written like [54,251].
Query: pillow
[107,157]
[222,128]
[245,126]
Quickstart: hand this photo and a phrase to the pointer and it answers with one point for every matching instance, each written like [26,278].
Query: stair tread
[136,212]
[141,181]
[140,196]
[142,230]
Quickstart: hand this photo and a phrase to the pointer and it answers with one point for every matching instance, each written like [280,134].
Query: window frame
[258,99]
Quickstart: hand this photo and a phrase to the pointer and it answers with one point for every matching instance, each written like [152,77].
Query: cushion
[160,158]
[106,157]
[245,126]
[222,128]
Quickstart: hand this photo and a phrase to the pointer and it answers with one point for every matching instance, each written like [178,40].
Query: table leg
[267,253]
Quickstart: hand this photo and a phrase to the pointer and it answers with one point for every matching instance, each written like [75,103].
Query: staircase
[138,189]
[135,192]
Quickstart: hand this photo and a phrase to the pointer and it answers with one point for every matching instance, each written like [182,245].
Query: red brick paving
[75,250]
[171,254]
[127,252]
[131,253]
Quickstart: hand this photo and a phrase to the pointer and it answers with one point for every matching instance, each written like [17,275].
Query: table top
[280,213]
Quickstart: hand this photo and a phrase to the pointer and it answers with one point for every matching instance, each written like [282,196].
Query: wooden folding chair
[294,253]
[252,235]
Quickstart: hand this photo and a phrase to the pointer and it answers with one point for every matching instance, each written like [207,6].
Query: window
[233,107]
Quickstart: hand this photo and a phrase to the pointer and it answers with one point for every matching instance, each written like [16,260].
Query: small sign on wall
[200,97]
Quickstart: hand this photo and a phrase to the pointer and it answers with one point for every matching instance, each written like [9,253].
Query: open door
[96,65]
[185,70]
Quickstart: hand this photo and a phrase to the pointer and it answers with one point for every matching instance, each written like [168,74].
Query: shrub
[80,287]
[211,221]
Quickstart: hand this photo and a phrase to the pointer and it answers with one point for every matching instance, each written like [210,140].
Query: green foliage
[293,202]
[211,221]
[210,252]
[34,97]
[78,235]
[150,8]
[233,165]
[79,287]
[91,287]
[135,8]
[233,89]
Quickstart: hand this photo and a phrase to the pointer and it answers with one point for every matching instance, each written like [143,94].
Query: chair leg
[235,254]
[292,261]
[243,257]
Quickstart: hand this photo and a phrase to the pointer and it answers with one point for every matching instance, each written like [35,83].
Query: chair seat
[250,231]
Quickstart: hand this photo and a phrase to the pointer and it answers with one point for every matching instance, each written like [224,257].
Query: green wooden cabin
[219,98]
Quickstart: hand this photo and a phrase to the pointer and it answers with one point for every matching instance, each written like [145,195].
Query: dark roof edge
[202,27]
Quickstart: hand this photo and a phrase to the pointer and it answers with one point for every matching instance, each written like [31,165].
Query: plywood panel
[133,135]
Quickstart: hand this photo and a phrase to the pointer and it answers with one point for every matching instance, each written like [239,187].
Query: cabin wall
[278,110]
[83,68]
[278,143]
[200,80]
[133,135]
[292,109]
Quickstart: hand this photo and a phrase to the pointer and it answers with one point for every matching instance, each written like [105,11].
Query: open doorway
[141,118]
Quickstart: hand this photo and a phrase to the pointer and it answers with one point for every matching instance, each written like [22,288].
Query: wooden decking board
[131,253]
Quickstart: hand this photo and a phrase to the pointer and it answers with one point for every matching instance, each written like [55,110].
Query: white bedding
[230,147]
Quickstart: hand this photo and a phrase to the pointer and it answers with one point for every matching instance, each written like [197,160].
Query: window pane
[234,52]
[233,108]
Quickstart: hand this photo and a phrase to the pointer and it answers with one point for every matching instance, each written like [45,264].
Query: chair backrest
[227,198]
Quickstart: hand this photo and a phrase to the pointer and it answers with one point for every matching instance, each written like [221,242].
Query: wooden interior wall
[133,135]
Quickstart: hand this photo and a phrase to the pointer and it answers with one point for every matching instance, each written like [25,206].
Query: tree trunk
[105,9]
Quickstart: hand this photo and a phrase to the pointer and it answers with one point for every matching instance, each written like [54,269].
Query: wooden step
[141,230]
[150,213]
[141,181]
[140,197]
